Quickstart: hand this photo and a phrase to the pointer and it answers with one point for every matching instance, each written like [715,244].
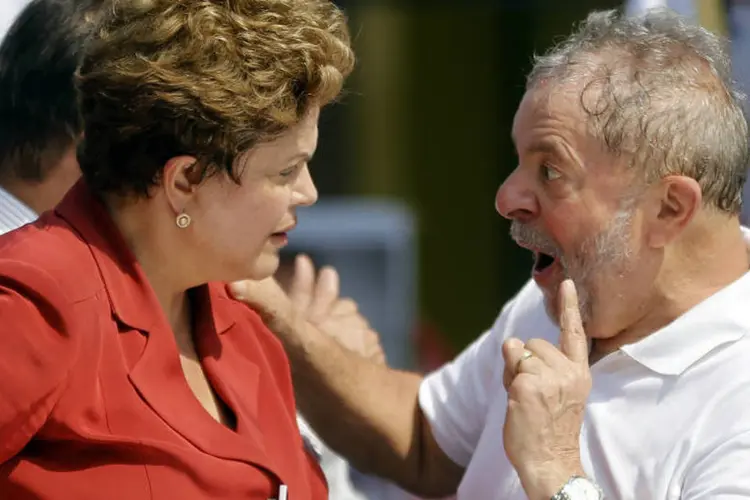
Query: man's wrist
[580,488]
[543,482]
[289,327]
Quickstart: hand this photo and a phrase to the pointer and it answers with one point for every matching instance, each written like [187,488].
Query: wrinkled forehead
[550,109]
[551,120]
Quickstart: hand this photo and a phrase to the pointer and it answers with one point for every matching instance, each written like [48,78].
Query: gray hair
[658,91]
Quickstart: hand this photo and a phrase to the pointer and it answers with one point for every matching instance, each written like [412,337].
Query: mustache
[527,236]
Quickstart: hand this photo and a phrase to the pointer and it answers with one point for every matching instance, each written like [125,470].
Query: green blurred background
[427,120]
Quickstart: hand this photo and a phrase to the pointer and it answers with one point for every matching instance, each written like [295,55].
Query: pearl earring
[183,220]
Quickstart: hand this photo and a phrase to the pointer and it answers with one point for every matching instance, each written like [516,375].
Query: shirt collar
[131,297]
[720,319]
[13,212]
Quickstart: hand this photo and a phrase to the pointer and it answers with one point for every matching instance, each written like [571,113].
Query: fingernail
[514,343]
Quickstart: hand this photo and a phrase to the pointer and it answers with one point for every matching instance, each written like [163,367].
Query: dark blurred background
[426,125]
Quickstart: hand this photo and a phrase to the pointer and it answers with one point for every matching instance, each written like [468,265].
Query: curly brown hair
[206,78]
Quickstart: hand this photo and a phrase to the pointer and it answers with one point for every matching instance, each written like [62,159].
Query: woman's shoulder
[38,341]
[229,312]
[35,303]
[49,258]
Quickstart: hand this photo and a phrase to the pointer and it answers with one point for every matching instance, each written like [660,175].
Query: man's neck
[38,196]
[708,259]
[26,194]
[44,195]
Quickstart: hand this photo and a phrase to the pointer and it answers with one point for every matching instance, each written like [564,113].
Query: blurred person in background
[9,10]
[621,370]
[39,121]
[124,372]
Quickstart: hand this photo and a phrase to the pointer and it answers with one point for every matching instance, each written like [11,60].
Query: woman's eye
[550,173]
[289,171]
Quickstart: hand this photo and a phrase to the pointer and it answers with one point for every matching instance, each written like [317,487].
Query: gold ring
[526,355]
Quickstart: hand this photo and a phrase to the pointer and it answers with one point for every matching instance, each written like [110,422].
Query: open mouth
[542,261]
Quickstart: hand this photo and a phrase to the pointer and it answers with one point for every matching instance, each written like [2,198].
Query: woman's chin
[263,267]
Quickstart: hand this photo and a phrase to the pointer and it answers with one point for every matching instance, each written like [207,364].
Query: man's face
[571,203]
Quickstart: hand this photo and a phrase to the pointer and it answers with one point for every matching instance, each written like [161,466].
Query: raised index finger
[573,341]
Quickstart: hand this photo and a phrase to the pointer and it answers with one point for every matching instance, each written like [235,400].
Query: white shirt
[668,417]
[13,212]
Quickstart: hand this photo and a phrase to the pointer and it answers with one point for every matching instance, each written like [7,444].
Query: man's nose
[515,199]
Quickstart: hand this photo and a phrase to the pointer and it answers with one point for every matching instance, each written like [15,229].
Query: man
[632,152]
[39,121]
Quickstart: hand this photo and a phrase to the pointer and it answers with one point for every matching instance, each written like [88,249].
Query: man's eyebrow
[545,147]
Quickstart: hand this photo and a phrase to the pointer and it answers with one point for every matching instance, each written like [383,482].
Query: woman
[126,370]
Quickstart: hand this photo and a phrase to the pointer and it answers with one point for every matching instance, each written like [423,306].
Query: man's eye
[550,173]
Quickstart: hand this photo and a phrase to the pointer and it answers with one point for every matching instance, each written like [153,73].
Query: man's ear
[677,199]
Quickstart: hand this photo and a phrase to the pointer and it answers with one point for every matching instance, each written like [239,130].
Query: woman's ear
[180,178]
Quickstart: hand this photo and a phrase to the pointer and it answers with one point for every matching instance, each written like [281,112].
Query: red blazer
[93,401]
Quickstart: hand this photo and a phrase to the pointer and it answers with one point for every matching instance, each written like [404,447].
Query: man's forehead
[554,103]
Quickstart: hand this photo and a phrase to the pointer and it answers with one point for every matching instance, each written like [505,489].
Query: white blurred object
[739,22]
[9,10]
[637,6]
[686,8]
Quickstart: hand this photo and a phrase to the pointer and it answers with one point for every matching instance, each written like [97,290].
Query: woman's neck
[152,241]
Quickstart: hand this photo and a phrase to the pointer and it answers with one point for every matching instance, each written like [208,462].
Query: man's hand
[315,300]
[270,301]
[547,391]
[319,301]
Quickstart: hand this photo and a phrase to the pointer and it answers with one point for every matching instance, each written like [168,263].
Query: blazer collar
[130,294]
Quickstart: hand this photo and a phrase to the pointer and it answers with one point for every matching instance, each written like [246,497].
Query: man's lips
[542,260]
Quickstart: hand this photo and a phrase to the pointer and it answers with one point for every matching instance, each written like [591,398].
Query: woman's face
[239,229]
